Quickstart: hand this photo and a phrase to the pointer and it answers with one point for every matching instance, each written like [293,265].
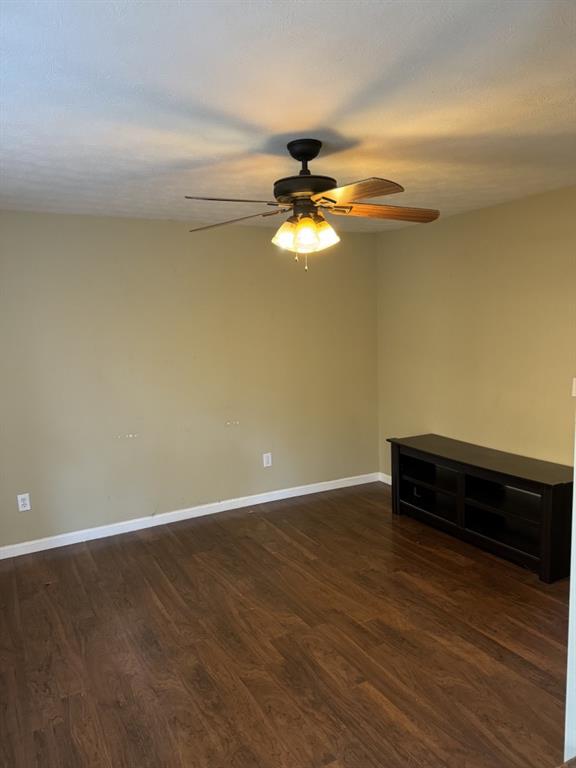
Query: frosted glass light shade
[306,237]
[284,237]
[327,235]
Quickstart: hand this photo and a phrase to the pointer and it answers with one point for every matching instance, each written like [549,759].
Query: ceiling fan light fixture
[305,233]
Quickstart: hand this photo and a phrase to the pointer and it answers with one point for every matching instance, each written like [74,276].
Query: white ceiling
[122,108]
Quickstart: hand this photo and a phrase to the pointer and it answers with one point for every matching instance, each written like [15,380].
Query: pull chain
[306,263]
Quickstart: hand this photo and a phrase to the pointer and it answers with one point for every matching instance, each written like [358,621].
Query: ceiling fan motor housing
[297,187]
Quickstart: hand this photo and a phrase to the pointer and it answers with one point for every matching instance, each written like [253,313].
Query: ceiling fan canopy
[307,197]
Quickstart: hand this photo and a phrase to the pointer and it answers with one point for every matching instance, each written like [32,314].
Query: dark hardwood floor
[300,634]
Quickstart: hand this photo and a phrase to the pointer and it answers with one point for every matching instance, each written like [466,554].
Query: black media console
[513,506]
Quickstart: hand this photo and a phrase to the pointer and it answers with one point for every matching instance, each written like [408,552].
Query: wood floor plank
[316,632]
[309,746]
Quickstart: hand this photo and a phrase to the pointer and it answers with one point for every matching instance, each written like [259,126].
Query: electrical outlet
[24,502]
[266,459]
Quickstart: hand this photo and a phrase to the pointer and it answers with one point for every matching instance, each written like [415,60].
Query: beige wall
[111,327]
[477,328]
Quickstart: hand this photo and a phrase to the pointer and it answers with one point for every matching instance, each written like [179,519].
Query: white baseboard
[88,534]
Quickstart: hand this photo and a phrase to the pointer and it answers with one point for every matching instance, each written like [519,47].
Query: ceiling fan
[308,197]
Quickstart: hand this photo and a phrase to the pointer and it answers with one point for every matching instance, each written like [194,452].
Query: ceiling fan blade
[373,187]
[230,200]
[242,218]
[421,215]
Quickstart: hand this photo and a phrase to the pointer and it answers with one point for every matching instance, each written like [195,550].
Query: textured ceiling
[122,108]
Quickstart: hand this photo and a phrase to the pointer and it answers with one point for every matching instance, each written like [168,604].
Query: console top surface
[536,470]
